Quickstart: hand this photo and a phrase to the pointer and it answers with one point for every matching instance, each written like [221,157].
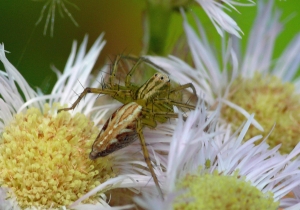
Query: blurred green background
[32,53]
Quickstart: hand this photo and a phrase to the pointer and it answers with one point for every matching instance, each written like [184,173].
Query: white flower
[251,83]
[64,165]
[212,77]
[197,151]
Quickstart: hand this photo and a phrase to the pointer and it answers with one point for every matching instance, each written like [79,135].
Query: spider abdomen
[118,131]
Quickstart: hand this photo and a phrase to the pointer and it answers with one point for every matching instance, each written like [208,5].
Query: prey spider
[143,105]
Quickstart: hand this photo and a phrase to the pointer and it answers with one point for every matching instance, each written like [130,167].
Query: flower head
[44,154]
[206,164]
[253,83]
[43,158]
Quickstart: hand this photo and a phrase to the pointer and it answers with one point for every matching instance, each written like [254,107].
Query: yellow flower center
[44,158]
[214,191]
[272,101]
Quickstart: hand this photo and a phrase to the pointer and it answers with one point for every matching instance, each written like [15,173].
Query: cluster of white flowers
[203,162]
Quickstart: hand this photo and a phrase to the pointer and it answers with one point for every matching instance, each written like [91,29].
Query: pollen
[44,158]
[214,191]
[272,101]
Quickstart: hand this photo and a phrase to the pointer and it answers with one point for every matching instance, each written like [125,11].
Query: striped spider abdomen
[118,131]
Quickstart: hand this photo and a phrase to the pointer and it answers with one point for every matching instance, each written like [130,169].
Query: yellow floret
[272,101]
[214,191]
[44,158]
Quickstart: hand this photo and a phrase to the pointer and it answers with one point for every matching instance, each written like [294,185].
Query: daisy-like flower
[52,6]
[252,83]
[44,154]
[210,168]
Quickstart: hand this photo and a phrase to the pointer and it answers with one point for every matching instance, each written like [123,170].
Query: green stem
[159,17]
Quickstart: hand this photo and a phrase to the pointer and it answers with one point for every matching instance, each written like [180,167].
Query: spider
[143,105]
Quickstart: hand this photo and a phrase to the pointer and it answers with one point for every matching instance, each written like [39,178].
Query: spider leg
[114,69]
[150,117]
[166,114]
[87,90]
[146,60]
[124,96]
[174,103]
[181,87]
[147,156]
[131,72]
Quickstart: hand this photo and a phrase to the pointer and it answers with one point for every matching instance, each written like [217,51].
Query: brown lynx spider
[146,105]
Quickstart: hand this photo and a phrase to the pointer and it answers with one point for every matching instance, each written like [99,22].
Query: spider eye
[162,78]
[155,75]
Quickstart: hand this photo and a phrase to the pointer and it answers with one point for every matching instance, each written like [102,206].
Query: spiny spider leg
[174,103]
[112,93]
[131,72]
[150,117]
[147,156]
[165,114]
[143,59]
[181,87]
[114,69]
